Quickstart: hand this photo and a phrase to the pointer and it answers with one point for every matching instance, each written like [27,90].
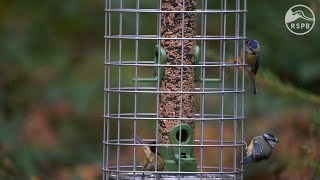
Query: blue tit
[252,59]
[260,148]
[149,163]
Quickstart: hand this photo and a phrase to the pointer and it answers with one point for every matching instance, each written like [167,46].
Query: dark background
[51,89]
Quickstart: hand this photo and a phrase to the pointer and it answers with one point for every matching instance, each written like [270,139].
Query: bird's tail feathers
[138,140]
[254,89]
[146,149]
[247,159]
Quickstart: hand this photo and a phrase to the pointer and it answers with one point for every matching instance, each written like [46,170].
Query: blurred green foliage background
[51,89]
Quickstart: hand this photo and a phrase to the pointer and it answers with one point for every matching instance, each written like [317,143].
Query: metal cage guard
[165,83]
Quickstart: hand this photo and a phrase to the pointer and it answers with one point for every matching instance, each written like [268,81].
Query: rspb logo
[300,19]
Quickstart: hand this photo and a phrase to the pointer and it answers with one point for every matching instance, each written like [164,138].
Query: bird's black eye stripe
[254,52]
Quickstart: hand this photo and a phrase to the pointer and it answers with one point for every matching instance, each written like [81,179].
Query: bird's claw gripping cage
[163,84]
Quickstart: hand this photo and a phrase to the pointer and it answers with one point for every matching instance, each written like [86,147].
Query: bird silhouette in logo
[292,16]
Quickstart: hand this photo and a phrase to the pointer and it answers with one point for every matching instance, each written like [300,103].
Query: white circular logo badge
[300,19]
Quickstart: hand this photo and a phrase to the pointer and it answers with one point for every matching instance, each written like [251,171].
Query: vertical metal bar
[107,100]
[181,87]
[202,96]
[242,88]
[158,72]
[105,147]
[136,84]
[109,84]
[222,85]
[104,93]
[220,77]
[119,88]
[236,73]
[202,88]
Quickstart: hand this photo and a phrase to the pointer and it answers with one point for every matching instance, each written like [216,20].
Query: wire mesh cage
[171,79]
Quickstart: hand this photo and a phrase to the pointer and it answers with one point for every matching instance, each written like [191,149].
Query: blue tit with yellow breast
[149,163]
[252,48]
[260,148]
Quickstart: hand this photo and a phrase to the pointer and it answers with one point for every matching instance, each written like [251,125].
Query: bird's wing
[260,150]
[257,149]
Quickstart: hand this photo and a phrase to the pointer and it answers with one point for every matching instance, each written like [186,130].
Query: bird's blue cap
[253,44]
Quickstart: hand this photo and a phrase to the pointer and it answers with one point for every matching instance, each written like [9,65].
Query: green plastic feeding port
[159,52]
[197,70]
[163,59]
[171,154]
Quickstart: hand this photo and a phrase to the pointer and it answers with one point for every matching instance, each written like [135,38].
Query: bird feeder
[168,79]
